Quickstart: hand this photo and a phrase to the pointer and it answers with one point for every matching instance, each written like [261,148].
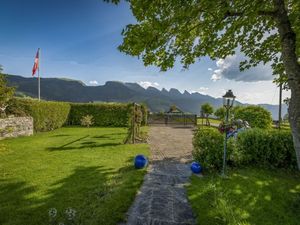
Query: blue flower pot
[140,161]
[196,167]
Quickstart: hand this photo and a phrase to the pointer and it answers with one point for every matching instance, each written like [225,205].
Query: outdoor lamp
[228,100]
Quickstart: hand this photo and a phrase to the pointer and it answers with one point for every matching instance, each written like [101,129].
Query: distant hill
[59,89]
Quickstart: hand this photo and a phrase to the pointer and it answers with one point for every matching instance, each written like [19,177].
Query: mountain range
[60,89]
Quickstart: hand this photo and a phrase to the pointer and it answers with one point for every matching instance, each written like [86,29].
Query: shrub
[208,147]
[257,116]
[255,147]
[270,148]
[6,93]
[86,121]
[46,115]
[104,114]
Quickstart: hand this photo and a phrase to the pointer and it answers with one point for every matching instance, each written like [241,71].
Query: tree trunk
[292,69]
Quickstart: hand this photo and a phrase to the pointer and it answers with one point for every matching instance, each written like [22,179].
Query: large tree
[264,30]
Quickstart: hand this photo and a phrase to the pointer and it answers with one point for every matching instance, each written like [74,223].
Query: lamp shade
[228,99]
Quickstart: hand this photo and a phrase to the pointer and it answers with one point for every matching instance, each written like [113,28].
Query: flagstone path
[162,198]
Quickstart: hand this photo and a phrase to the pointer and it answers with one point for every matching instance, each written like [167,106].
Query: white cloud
[229,68]
[146,84]
[223,66]
[210,69]
[201,90]
[93,82]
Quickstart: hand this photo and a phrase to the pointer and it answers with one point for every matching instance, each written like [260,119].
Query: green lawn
[212,121]
[87,169]
[249,196]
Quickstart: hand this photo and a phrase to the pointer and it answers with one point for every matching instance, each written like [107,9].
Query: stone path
[162,198]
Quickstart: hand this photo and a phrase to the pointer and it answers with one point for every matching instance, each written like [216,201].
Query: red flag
[36,63]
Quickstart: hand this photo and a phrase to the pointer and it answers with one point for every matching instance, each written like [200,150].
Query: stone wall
[15,127]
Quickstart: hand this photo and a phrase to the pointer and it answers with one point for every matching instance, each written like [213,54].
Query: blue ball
[140,161]
[196,167]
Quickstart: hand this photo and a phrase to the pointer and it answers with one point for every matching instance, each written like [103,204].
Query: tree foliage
[6,93]
[257,116]
[220,113]
[186,30]
[207,109]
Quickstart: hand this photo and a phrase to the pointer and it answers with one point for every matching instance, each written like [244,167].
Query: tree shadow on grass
[60,135]
[99,195]
[86,146]
[14,201]
[247,199]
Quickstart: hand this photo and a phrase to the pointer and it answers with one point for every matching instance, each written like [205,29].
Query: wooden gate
[183,119]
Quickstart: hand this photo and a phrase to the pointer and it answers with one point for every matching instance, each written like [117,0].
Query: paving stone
[162,199]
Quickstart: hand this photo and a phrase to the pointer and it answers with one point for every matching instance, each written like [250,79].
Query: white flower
[71,213]
[52,212]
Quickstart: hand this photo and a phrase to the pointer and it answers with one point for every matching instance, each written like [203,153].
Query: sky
[79,40]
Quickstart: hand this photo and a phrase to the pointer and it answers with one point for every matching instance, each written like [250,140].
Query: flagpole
[39,80]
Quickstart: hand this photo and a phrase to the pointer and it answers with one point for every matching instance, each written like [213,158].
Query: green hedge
[49,115]
[208,147]
[272,148]
[46,115]
[104,114]
[260,147]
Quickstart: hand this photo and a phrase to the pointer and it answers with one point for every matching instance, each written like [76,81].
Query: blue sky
[79,39]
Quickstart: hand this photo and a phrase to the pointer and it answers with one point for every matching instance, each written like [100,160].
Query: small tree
[207,110]
[257,116]
[220,113]
[87,121]
[6,93]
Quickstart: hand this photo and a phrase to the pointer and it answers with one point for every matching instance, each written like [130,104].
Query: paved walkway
[162,198]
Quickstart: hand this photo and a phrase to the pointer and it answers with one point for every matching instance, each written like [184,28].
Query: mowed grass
[248,197]
[87,169]
[212,121]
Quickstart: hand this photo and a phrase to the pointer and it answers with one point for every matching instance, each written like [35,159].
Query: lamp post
[228,100]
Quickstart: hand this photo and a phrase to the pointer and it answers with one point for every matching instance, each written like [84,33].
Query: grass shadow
[255,197]
[99,195]
[87,146]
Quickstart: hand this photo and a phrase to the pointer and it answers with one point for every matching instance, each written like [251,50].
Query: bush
[87,121]
[270,148]
[257,116]
[208,147]
[104,114]
[255,147]
[46,115]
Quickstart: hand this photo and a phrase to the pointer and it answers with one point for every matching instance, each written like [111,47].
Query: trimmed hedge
[104,114]
[208,147]
[49,115]
[260,147]
[272,148]
[46,115]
